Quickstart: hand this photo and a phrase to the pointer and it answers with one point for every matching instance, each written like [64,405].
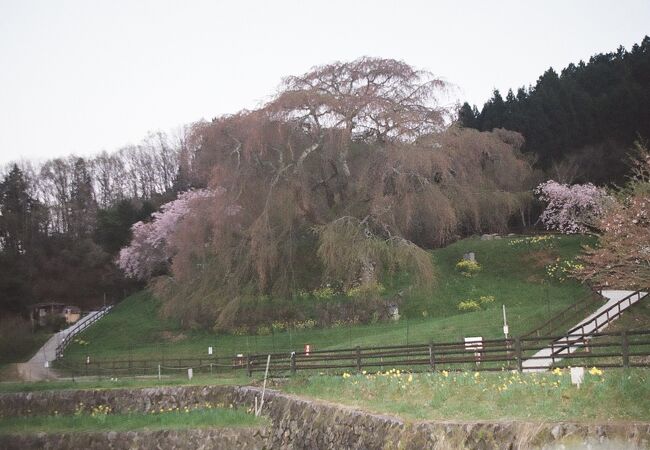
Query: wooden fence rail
[625,349]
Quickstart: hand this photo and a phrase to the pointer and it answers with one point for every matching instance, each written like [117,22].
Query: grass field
[119,383]
[513,272]
[100,419]
[604,395]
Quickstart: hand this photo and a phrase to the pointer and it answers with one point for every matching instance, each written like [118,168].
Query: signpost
[577,375]
[475,344]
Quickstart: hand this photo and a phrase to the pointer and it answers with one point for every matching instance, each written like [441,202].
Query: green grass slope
[611,394]
[513,272]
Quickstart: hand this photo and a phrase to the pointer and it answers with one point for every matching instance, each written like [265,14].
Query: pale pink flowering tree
[150,251]
[622,258]
[571,208]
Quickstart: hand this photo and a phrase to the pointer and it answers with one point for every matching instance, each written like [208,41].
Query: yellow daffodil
[595,371]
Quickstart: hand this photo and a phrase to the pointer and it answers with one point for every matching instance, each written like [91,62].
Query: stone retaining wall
[299,423]
[195,439]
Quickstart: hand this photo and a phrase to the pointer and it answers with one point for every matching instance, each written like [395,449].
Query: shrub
[240,331]
[486,299]
[469,305]
[305,324]
[16,339]
[368,290]
[263,330]
[467,267]
[302,295]
[324,293]
[279,326]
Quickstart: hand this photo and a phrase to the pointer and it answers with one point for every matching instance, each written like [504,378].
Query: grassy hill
[513,271]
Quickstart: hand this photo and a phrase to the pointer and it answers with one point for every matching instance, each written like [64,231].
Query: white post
[577,375]
[505,322]
[159,377]
[266,374]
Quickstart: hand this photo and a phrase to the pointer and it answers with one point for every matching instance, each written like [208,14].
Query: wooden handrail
[79,328]
[561,317]
[571,338]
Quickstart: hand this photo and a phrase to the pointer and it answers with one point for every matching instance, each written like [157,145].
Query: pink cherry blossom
[149,251]
[571,208]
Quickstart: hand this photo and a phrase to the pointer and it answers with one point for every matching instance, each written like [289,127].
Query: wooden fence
[626,349]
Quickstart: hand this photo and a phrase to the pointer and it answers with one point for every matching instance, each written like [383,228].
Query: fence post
[249,368]
[358,359]
[625,347]
[407,331]
[432,359]
[273,339]
[518,354]
[293,363]
[552,353]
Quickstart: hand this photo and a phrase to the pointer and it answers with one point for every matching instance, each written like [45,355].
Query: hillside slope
[513,271]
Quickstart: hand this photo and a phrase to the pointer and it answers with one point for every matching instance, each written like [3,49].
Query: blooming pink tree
[622,258]
[571,208]
[150,251]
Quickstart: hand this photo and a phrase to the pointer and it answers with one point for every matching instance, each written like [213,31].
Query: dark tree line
[63,222]
[581,122]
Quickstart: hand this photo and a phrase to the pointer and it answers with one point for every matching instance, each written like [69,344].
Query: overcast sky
[84,76]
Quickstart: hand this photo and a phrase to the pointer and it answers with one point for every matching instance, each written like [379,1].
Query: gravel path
[34,369]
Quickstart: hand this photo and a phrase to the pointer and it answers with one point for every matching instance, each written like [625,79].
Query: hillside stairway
[35,369]
[617,302]
[65,337]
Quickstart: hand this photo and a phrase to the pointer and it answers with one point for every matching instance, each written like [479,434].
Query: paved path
[34,369]
[543,357]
